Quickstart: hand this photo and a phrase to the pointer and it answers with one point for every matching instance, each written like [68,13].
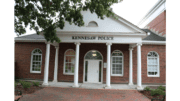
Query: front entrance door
[93,71]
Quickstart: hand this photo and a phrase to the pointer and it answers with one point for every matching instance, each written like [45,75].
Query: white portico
[108,31]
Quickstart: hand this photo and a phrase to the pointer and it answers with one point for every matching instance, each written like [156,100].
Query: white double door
[93,71]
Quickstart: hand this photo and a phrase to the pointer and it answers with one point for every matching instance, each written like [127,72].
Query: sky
[131,10]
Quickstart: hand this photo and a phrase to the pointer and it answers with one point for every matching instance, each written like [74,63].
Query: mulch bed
[148,94]
[30,90]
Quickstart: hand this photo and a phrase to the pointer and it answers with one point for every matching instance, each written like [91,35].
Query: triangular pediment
[109,24]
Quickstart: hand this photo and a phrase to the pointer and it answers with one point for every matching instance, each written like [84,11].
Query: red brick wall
[125,50]
[145,49]
[23,59]
[62,48]
[159,23]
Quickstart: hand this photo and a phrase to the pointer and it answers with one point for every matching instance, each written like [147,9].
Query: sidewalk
[81,94]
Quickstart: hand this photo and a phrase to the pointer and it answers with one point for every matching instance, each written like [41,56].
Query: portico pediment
[108,26]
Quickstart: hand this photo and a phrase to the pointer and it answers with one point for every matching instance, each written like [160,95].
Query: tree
[48,15]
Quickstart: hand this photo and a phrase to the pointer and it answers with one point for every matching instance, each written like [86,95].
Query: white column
[139,80]
[108,76]
[46,69]
[56,64]
[130,66]
[76,65]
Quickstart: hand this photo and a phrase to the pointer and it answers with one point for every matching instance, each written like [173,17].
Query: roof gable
[107,25]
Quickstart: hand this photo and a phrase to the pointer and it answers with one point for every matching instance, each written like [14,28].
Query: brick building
[103,51]
[155,19]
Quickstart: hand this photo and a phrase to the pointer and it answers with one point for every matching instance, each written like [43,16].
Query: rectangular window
[117,66]
[153,66]
[36,61]
[69,62]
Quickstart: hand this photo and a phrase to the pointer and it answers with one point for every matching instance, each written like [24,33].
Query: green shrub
[36,83]
[15,84]
[162,88]
[147,89]
[21,81]
[157,92]
[26,84]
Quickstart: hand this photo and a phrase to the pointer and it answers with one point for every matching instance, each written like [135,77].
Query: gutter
[154,42]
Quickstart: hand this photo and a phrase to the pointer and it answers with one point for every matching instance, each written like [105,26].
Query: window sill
[116,75]
[68,73]
[35,72]
[153,76]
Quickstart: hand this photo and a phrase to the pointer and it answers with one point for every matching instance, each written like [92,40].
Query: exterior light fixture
[94,55]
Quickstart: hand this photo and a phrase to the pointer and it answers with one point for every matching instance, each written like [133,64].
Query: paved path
[80,94]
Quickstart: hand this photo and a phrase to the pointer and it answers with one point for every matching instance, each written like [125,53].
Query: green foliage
[15,84]
[36,83]
[157,92]
[162,88]
[21,82]
[147,89]
[47,15]
[25,84]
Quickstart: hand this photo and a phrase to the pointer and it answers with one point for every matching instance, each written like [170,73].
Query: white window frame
[158,67]
[122,64]
[32,54]
[65,62]
[92,22]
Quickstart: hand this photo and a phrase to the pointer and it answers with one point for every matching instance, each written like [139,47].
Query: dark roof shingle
[153,36]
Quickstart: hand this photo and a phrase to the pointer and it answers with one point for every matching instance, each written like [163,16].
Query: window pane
[86,68]
[95,55]
[113,71]
[34,57]
[69,68]
[70,52]
[100,71]
[117,62]
[69,61]
[39,57]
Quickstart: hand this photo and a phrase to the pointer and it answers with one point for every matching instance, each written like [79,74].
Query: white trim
[154,42]
[65,60]
[129,24]
[101,33]
[32,61]
[122,64]
[91,22]
[158,59]
[153,9]
[87,72]
[29,40]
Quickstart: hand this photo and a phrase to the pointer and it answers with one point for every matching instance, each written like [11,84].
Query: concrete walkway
[81,94]
[92,85]
[96,86]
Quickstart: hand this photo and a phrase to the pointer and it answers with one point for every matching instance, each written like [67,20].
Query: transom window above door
[69,62]
[117,63]
[94,55]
